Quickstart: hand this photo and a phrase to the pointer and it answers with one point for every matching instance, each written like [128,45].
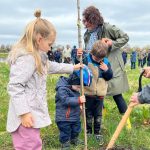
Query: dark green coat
[119,83]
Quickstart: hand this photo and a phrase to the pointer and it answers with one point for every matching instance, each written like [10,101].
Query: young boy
[68,101]
[102,72]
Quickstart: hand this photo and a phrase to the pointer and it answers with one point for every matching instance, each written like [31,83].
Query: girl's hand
[79,51]
[27,120]
[103,66]
[78,66]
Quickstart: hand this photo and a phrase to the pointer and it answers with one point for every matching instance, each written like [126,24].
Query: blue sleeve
[66,99]
[107,75]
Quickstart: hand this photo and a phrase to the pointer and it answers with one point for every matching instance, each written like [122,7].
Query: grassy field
[138,138]
[3,55]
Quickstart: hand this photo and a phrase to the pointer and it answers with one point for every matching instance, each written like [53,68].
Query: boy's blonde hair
[28,40]
[99,49]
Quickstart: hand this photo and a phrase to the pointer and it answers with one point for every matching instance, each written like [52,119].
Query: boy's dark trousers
[94,106]
[68,130]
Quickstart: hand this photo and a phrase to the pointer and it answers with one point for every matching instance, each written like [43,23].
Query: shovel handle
[120,126]
[125,117]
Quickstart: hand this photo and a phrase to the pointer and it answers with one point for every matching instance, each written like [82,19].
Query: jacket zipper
[68,112]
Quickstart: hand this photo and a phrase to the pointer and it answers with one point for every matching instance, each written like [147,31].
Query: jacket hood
[62,82]
[16,53]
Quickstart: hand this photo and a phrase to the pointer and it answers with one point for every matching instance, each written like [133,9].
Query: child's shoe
[65,146]
[89,135]
[76,142]
[99,139]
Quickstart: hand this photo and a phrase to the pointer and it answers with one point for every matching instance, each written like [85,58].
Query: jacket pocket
[102,86]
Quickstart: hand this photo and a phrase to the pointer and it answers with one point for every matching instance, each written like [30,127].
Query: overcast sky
[132,16]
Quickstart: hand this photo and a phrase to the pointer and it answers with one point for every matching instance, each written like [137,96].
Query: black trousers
[94,106]
[120,102]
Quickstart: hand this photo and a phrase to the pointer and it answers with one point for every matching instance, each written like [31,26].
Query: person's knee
[97,120]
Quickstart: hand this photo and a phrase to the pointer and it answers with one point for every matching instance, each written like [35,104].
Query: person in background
[140,58]
[29,66]
[58,55]
[144,57]
[124,56]
[74,54]
[50,55]
[148,58]
[133,60]
[67,54]
[69,106]
[115,38]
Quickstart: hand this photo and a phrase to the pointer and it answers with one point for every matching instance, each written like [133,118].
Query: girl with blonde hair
[29,66]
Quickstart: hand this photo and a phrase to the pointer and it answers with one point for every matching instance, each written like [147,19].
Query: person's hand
[27,120]
[82,99]
[78,66]
[79,51]
[134,99]
[107,41]
[103,66]
[146,72]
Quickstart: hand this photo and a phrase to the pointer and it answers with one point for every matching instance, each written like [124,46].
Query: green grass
[3,55]
[136,139]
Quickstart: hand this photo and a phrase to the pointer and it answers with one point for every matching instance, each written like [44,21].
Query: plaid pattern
[93,38]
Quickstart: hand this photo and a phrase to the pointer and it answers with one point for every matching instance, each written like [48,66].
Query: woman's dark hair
[99,49]
[93,15]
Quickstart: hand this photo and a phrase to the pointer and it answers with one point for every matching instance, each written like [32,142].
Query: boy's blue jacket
[99,83]
[67,103]
[107,75]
